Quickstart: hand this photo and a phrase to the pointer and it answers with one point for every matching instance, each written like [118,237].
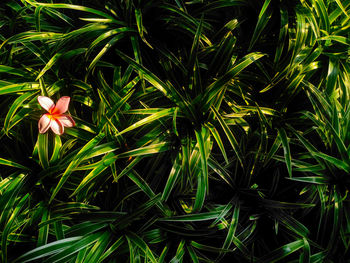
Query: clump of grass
[206,131]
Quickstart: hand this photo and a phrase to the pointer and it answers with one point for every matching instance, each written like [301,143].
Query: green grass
[206,131]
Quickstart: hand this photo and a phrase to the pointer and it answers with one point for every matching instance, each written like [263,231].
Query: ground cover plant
[183,131]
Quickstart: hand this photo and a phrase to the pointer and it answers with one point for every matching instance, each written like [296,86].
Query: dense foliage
[206,131]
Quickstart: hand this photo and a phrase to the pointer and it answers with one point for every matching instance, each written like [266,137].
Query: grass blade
[229,136]
[284,139]
[75,162]
[263,19]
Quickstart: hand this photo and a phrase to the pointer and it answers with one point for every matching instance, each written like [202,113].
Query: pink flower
[55,117]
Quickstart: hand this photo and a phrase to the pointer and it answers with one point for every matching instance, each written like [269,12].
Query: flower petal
[46,103]
[61,105]
[44,123]
[66,120]
[57,127]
